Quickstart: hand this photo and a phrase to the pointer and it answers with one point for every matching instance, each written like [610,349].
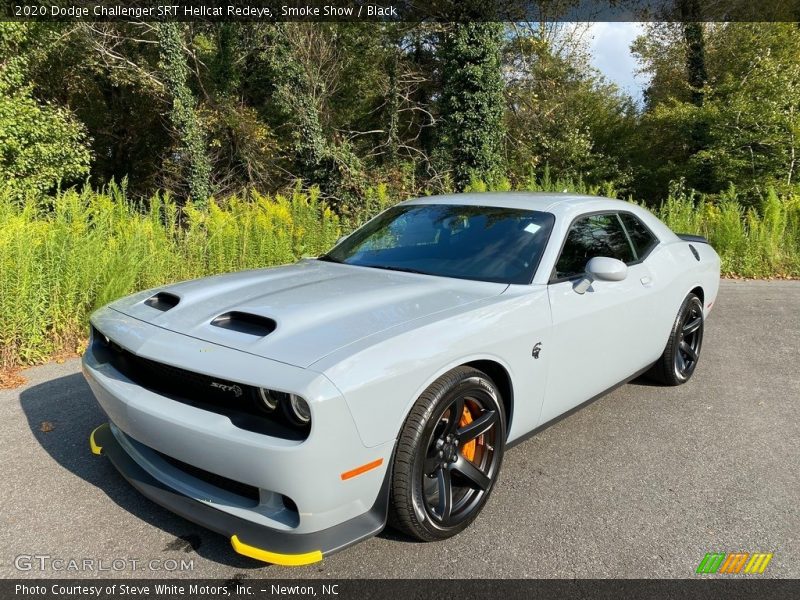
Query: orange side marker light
[362,469]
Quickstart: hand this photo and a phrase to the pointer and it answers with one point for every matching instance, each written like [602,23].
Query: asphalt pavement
[641,483]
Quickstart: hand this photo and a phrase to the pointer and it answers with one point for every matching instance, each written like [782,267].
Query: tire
[445,467]
[679,360]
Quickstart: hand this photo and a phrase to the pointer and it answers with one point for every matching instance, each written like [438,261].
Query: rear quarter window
[642,239]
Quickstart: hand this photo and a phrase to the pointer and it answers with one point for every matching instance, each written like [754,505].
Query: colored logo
[737,562]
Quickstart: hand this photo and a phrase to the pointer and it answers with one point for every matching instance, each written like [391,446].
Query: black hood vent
[163,301]
[245,323]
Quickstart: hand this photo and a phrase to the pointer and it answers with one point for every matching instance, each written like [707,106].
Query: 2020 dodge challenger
[297,409]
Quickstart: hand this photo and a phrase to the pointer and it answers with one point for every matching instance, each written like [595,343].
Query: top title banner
[403,10]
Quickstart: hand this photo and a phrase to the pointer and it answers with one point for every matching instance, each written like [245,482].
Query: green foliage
[741,128]
[371,114]
[192,144]
[761,241]
[472,101]
[210,109]
[41,145]
[326,86]
[58,265]
[561,112]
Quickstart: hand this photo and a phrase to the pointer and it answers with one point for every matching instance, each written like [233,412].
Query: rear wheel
[678,362]
[448,456]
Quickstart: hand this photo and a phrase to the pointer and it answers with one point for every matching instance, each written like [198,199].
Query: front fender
[381,380]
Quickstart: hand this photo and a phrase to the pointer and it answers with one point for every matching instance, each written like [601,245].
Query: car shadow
[645,381]
[393,535]
[69,405]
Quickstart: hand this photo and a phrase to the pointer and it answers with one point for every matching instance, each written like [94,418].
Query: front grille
[237,401]
[196,383]
[234,487]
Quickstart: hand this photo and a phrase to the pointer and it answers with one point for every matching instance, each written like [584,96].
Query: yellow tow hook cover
[286,560]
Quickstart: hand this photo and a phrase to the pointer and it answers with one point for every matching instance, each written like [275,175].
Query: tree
[41,145]
[191,151]
[561,114]
[472,103]
[753,108]
[696,73]
[742,131]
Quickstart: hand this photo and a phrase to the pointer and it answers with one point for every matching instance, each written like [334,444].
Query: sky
[610,47]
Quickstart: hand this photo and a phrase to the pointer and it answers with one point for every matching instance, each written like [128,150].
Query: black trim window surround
[615,235]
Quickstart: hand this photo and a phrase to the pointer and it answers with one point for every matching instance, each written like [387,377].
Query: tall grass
[60,262]
[62,258]
[761,241]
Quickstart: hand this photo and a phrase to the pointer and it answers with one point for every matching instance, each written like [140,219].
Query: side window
[595,235]
[643,241]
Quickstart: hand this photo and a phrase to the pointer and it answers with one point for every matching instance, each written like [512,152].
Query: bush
[762,242]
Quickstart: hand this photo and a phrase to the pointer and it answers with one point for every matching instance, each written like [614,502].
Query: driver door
[600,338]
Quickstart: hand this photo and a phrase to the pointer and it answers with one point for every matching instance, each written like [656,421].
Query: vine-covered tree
[472,103]
[191,154]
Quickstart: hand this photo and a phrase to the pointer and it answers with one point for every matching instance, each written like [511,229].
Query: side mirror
[603,268]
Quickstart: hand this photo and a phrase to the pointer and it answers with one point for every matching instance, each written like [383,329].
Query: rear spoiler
[688,237]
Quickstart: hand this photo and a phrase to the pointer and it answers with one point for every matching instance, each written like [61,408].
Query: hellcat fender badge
[536,349]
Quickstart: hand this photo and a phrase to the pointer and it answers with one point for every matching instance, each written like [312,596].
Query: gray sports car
[295,409]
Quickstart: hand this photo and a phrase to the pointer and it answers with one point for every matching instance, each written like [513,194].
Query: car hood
[297,314]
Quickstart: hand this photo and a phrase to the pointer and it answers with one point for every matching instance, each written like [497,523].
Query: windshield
[468,242]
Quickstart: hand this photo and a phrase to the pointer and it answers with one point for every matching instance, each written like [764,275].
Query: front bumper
[152,438]
[247,538]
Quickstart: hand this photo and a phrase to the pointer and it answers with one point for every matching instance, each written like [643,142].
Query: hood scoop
[163,301]
[247,323]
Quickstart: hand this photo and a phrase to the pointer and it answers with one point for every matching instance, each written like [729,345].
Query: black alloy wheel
[679,360]
[448,456]
[460,461]
[689,341]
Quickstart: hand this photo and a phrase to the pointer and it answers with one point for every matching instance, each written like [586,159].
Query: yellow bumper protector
[287,560]
[92,444]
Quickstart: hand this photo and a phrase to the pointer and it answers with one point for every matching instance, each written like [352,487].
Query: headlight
[298,410]
[294,409]
[269,399]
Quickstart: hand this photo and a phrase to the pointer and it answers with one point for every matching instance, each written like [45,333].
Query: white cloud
[611,55]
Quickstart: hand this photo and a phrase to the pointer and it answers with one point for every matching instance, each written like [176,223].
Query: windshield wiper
[401,269]
[328,258]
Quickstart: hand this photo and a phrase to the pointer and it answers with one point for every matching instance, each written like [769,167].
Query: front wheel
[679,360]
[448,456]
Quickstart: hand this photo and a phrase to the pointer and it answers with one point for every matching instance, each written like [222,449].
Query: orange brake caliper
[468,449]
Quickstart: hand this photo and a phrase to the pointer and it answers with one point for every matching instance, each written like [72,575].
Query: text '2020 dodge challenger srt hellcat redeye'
[297,409]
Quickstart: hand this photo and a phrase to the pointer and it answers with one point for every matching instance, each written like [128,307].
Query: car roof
[560,204]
